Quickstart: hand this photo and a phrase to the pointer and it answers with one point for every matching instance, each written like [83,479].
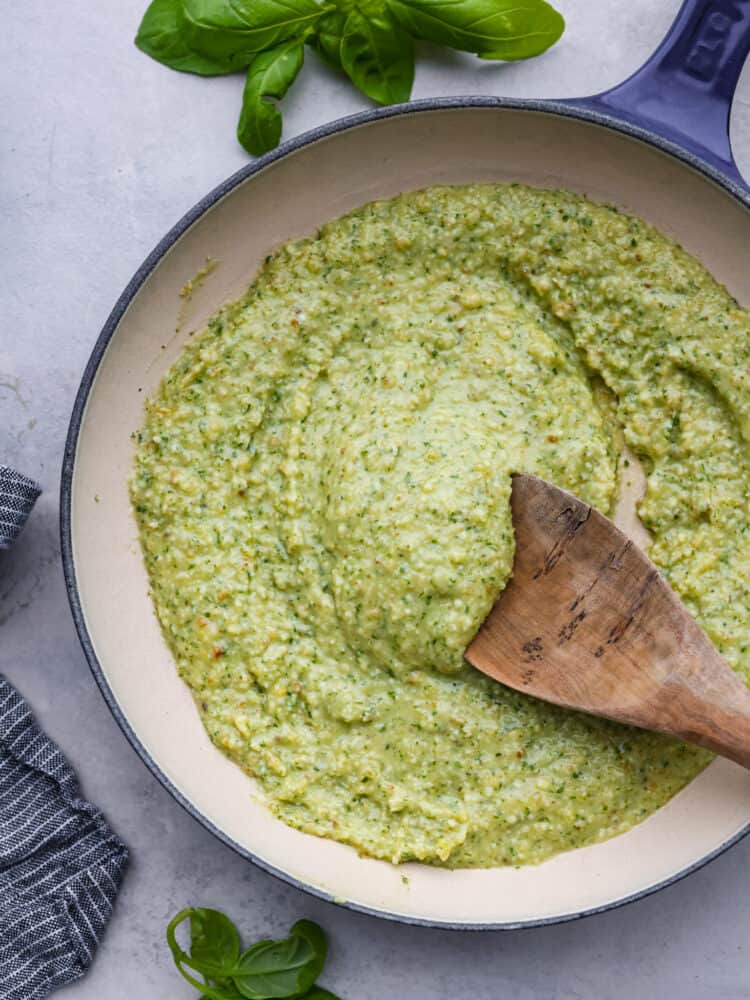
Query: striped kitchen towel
[17,496]
[60,863]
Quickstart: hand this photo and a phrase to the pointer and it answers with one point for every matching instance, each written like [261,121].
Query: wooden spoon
[588,622]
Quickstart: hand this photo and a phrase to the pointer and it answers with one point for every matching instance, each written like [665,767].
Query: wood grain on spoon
[588,622]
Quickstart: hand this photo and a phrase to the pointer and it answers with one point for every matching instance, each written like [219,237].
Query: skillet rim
[574,109]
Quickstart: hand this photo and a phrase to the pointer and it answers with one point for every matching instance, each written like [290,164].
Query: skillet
[658,146]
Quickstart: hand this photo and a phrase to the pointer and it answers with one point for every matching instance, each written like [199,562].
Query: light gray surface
[102,151]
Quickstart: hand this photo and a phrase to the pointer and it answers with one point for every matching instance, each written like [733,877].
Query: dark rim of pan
[133,286]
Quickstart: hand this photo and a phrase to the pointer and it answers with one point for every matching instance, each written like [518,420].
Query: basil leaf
[494,29]
[214,942]
[327,38]
[275,969]
[270,76]
[183,961]
[378,57]
[161,35]
[313,934]
[237,29]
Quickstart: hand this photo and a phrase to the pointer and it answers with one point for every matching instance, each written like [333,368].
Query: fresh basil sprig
[268,970]
[371,41]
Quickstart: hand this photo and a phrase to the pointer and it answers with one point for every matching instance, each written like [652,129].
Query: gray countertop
[102,151]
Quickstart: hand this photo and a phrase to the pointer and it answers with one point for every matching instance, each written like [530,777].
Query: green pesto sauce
[322,486]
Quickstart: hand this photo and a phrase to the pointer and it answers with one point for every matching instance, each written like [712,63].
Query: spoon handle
[709,705]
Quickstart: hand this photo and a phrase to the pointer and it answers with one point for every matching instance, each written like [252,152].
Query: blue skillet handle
[684,92]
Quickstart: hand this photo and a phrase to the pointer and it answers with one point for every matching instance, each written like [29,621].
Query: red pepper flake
[218,651]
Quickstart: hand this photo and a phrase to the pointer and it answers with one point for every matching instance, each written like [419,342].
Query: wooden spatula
[588,622]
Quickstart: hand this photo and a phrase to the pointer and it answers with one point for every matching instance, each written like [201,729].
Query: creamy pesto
[322,484]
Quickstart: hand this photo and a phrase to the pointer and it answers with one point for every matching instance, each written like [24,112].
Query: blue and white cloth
[17,496]
[60,864]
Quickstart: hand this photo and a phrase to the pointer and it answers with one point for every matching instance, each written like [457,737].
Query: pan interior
[292,197]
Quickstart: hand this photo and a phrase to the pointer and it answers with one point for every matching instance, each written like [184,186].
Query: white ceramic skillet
[658,146]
